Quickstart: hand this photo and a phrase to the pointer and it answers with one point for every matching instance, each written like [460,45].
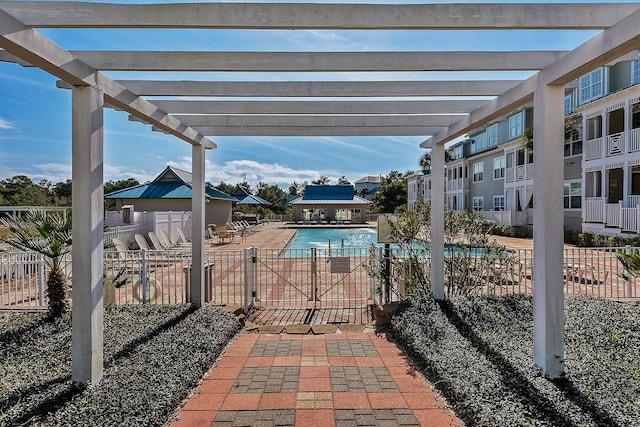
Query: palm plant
[49,234]
[630,263]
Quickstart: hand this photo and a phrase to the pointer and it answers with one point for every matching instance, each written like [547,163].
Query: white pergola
[345,108]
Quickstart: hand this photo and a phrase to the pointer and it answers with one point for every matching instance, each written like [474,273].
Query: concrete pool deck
[276,235]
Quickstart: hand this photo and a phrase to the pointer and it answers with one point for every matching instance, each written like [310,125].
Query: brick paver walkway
[353,379]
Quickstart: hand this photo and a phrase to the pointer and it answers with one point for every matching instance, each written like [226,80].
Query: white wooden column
[198,226]
[548,221]
[437,221]
[88,219]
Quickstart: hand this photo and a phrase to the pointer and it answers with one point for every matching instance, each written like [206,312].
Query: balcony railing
[612,214]
[633,200]
[615,144]
[593,149]
[455,184]
[594,210]
[634,140]
[508,177]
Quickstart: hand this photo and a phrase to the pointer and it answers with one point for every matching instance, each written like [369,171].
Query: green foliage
[323,180]
[224,187]
[20,190]
[392,193]
[49,234]
[275,195]
[473,260]
[630,263]
[343,181]
[527,138]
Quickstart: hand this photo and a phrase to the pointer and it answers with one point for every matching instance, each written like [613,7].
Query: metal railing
[298,278]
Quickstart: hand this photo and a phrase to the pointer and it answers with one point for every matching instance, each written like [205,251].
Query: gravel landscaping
[154,356]
[478,352]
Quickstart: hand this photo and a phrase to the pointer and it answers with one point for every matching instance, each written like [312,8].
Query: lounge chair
[124,254]
[183,238]
[155,241]
[142,242]
[167,241]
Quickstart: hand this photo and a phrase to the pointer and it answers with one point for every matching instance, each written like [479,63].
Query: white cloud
[236,171]
[6,124]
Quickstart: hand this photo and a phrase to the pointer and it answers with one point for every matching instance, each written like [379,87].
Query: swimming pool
[319,238]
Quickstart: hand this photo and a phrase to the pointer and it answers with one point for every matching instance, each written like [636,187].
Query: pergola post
[437,221]
[198,226]
[548,219]
[88,234]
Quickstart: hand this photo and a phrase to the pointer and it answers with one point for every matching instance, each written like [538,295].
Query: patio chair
[142,242]
[155,241]
[212,231]
[183,238]
[123,251]
[167,240]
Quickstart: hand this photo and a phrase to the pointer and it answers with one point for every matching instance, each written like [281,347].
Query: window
[591,85]
[635,72]
[567,105]
[498,203]
[573,148]
[499,165]
[478,204]
[479,143]
[457,152]
[492,135]
[515,125]
[478,172]
[573,195]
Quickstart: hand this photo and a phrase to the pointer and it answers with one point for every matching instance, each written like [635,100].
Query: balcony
[626,218]
[593,149]
[615,144]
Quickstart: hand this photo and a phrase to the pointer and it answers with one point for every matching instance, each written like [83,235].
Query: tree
[425,160]
[49,234]
[224,187]
[323,180]
[296,189]
[392,193]
[21,191]
[62,193]
[273,194]
[343,181]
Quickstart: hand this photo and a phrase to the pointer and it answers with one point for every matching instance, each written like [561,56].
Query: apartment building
[491,171]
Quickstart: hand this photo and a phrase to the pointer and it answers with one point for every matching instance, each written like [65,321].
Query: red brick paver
[314,385]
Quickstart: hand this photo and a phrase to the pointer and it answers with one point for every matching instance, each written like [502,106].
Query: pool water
[319,238]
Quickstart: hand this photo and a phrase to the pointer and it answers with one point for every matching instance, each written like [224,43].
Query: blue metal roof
[253,200]
[165,190]
[328,192]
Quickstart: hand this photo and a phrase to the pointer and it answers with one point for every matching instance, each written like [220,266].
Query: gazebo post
[198,226]
[437,221]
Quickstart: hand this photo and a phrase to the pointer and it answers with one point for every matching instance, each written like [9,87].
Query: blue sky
[35,117]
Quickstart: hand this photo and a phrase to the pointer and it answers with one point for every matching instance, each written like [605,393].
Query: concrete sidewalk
[352,379]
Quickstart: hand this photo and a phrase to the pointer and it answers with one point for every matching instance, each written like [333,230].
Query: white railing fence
[634,140]
[612,214]
[279,277]
[615,144]
[593,149]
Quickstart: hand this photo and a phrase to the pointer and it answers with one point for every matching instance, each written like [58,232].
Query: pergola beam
[189,61]
[612,43]
[316,131]
[32,47]
[317,107]
[320,16]
[265,121]
[319,89]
